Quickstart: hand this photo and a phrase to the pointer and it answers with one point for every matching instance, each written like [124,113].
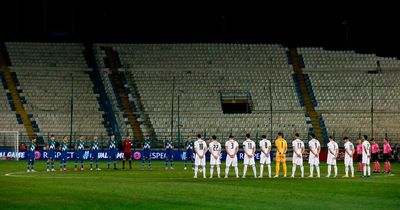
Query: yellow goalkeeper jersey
[281,145]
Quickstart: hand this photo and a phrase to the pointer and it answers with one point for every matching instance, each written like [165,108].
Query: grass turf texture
[176,189]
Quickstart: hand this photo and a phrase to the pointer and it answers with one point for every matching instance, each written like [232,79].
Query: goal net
[9,145]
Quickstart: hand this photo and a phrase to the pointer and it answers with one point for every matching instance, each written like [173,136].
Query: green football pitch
[176,189]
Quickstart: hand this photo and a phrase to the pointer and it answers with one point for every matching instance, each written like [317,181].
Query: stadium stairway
[137,102]
[110,121]
[122,96]
[11,82]
[306,96]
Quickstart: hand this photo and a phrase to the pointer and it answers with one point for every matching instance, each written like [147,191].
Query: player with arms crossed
[94,149]
[215,157]
[146,146]
[189,151]
[232,148]
[200,148]
[64,154]
[51,152]
[112,152]
[249,148]
[298,150]
[169,152]
[313,160]
[366,156]
[281,149]
[31,155]
[127,144]
[348,157]
[265,147]
[79,152]
[333,152]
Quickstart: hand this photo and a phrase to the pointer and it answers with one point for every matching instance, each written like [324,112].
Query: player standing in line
[281,149]
[265,147]
[169,152]
[146,146]
[387,149]
[189,151]
[31,155]
[232,148]
[333,151]
[51,152]
[374,155]
[79,152]
[298,150]
[64,154]
[127,144]
[315,149]
[112,152]
[348,157]
[249,148]
[94,148]
[200,148]
[366,157]
[215,156]
[359,155]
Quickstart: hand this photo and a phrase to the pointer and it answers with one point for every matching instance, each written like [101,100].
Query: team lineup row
[199,148]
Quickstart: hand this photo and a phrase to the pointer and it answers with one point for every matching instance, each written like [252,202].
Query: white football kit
[215,147]
[366,152]
[200,147]
[248,149]
[231,145]
[332,146]
[349,148]
[313,145]
[264,145]
[297,146]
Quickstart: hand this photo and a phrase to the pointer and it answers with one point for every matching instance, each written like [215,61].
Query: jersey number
[231,145]
[249,146]
[201,146]
[215,148]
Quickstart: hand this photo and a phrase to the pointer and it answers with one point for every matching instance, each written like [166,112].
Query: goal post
[9,141]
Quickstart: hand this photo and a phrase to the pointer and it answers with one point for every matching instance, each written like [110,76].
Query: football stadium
[117,106]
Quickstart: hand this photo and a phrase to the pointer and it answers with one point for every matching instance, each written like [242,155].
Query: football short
[330,160]
[359,157]
[51,154]
[265,159]
[79,154]
[200,161]
[30,155]
[214,161]
[189,154]
[313,160]
[297,160]
[127,155]
[64,155]
[366,159]
[280,158]
[146,154]
[386,156]
[112,154]
[231,161]
[374,157]
[248,161]
[348,160]
[169,154]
